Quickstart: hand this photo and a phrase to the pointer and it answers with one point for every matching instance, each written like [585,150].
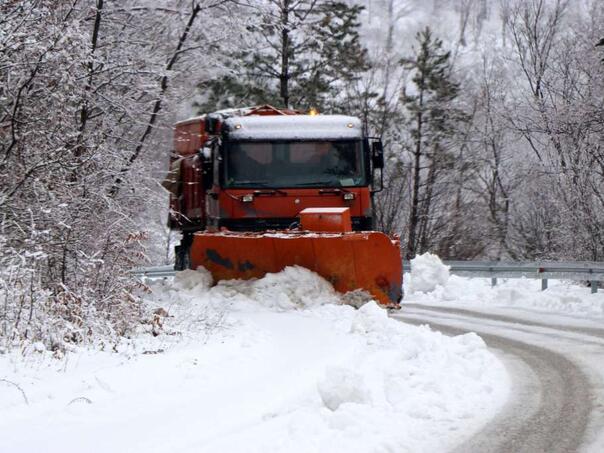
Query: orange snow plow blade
[368,261]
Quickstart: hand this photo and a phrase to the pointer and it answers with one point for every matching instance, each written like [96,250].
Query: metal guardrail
[154,271]
[585,271]
[593,272]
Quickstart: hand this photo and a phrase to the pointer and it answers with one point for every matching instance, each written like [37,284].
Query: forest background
[491,113]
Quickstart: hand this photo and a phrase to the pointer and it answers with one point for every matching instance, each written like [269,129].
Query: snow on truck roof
[293,127]
[240,111]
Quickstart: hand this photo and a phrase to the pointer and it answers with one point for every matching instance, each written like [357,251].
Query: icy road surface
[273,365]
[552,343]
[558,391]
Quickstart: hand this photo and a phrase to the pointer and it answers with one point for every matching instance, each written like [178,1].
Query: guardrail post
[543,284]
[493,281]
[594,286]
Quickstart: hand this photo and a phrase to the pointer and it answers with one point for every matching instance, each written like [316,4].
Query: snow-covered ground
[429,283]
[276,364]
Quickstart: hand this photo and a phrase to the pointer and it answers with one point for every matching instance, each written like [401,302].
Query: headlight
[349,196]
[247,198]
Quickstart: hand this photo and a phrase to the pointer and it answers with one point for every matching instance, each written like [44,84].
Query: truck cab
[257,169]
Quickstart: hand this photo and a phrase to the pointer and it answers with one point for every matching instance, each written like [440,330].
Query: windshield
[294,164]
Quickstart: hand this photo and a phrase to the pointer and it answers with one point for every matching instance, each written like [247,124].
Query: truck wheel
[182,253]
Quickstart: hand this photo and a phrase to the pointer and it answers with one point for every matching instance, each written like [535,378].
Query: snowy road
[557,368]
[275,365]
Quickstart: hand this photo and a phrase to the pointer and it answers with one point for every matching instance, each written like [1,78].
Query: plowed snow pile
[273,365]
[429,283]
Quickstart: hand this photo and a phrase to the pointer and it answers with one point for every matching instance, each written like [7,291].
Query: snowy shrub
[91,301]
[427,272]
[77,126]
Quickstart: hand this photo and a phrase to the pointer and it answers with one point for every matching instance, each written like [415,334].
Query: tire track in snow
[593,331]
[551,402]
[541,332]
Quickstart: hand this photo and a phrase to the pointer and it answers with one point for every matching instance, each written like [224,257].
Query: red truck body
[198,205]
[259,189]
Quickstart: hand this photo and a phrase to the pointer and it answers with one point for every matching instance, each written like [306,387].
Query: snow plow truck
[257,189]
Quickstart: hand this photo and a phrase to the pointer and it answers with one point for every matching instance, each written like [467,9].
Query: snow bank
[198,280]
[294,287]
[562,297]
[342,385]
[427,273]
[270,365]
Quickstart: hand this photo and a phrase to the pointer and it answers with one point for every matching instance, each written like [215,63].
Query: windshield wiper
[253,184]
[270,191]
[318,184]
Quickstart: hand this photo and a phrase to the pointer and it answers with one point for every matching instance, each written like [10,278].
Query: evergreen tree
[433,121]
[301,51]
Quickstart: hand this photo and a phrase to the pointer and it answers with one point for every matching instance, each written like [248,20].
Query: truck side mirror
[377,154]
[205,156]
[211,125]
[205,152]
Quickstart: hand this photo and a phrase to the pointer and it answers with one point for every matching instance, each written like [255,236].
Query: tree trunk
[424,217]
[84,112]
[413,215]
[158,103]
[285,49]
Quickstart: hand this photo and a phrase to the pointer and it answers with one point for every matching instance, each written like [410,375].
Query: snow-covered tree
[433,119]
[300,53]
[82,87]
